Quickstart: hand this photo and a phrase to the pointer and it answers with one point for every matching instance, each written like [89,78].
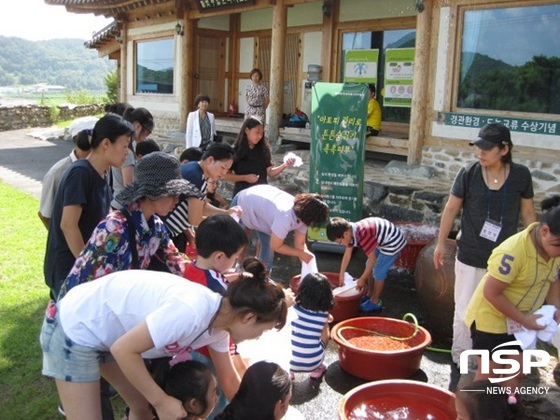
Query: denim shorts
[383,264]
[65,360]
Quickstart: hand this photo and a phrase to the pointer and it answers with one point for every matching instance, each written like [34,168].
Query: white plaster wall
[219,23]
[256,20]
[298,15]
[242,102]
[311,54]
[246,54]
[305,14]
[441,59]
[351,10]
[311,49]
[152,29]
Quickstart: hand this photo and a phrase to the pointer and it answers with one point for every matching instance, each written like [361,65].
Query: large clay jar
[435,288]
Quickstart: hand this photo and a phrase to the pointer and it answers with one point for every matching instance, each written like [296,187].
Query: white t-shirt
[51,181]
[177,312]
[269,210]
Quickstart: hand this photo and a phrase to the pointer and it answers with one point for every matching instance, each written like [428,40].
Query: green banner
[338,131]
[360,66]
[521,125]
[399,75]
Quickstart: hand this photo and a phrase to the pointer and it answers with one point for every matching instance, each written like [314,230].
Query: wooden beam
[187,60]
[123,64]
[418,112]
[233,62]
[279,24]
[329,42]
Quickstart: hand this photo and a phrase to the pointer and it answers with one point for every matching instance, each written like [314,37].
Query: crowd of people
[151,291]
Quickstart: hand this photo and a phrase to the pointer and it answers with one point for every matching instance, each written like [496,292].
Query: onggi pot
[435,288]
[346,304]
[380,364]
[417,237]
[391,399]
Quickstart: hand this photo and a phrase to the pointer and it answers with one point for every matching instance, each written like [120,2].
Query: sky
[35,21]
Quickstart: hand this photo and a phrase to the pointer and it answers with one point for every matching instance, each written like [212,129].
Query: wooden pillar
[329,47]
[233,63]
[187,62]
[279,23]
[123,65]
[419,112]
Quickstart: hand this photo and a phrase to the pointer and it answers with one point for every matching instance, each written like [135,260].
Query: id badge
[513,327]
[491,230]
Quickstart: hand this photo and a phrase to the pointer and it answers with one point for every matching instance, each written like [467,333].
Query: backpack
[297,119]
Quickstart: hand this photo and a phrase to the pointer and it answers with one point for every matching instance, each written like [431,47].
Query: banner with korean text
[338,132]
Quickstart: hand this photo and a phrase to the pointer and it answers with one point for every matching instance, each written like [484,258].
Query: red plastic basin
[397,398]
[346,305]
[373,364]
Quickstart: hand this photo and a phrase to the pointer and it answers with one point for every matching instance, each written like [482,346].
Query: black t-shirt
[82,185]
[254,163]
[478,201]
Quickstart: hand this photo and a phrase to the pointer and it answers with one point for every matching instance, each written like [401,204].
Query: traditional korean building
[443,68]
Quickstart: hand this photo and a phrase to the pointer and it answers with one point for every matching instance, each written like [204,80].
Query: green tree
[112,83]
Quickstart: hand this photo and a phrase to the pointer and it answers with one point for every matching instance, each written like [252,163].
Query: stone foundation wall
[447,162]
[18,117]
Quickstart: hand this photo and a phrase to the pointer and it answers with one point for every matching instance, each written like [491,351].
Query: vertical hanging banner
[399,74]
[338,132]
[360,66]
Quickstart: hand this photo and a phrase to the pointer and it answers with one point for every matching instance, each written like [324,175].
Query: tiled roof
[104,36]
[108,8]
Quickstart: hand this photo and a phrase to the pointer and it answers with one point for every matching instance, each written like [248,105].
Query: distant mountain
[65,62]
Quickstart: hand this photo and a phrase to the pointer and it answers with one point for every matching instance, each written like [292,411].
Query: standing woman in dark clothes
[252,161]
[83,198]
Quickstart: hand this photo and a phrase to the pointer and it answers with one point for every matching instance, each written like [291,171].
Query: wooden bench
[392,140]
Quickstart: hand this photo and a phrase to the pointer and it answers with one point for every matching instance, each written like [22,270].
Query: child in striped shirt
[310,330]
[382,243]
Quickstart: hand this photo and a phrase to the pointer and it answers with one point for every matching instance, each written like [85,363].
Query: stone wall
[18,117]
[447,162]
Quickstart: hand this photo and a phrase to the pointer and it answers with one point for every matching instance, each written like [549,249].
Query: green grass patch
[24,392]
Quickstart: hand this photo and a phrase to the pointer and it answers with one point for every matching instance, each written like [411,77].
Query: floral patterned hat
[158,174]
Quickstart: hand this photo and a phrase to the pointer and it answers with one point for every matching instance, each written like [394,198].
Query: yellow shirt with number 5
[517,263]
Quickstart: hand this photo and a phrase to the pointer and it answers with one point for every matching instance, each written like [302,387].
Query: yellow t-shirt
[374,114]
[516,262]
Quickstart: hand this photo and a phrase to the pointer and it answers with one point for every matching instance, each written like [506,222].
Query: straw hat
[158,174]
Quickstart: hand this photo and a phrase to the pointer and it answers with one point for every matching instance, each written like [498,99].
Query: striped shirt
[177,221]
[308,351]
[376,232]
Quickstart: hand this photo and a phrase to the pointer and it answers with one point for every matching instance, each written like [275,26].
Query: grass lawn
[24,392]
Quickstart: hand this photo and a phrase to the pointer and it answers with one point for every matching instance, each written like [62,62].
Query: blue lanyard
[488,196]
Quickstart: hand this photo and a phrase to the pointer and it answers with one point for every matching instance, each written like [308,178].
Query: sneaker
[61,410]
[319,372]
[369,306]
[364,299]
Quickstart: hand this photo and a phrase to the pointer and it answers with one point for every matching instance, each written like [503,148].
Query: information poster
[360,66]
[399,74]
[338,132]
